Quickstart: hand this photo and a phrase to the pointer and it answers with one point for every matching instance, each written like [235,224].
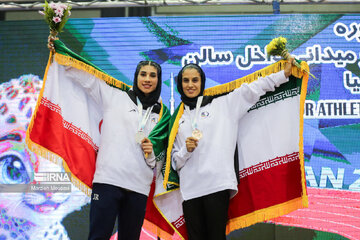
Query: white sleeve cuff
[280,78]
[184,153]
[151,160]
[180,158]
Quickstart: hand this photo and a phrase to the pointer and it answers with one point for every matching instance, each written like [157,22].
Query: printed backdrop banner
[227,49]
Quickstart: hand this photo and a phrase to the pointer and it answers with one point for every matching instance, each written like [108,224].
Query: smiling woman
[147,83]
[147,79]
[128,117]
[191,82]
[203,151]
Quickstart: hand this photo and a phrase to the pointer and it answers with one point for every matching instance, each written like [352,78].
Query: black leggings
[206,216]
[109,202]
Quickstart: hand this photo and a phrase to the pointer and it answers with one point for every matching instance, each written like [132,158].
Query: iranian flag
[270,157]
[66,126]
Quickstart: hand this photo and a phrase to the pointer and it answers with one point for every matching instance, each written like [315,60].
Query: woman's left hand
[50,44]
[288,66]
[147,146]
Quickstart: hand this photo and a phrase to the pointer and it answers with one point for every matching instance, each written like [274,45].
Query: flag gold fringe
[230,86]
[264,214]
[53,157]
[172,137]
[292,205]
[45,153]
[156,230]
[305,79]
[277,210]
[273,68]
[161,110]
[156,206]
[31,124]
[69,61]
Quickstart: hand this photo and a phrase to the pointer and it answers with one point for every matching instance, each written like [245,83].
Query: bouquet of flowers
[277,47]
[56,16]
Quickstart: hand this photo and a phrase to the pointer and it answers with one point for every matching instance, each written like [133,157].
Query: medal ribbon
[197,109]
[143,119]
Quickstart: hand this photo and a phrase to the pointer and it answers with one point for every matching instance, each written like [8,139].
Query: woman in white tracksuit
[203,151]
[124,164]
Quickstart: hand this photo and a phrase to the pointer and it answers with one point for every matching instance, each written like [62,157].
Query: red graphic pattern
[336,211]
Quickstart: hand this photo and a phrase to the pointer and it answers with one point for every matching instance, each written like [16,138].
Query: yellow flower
[270,46]
[282,40]
[276,46]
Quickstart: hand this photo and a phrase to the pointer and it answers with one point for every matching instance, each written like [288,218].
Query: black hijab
[152,98]
[191,102]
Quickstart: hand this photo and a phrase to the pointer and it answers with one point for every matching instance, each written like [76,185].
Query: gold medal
[197,134]
[139,136]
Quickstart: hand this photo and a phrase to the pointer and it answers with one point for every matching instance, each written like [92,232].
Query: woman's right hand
[288,66]
[50,44]
[191,144]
